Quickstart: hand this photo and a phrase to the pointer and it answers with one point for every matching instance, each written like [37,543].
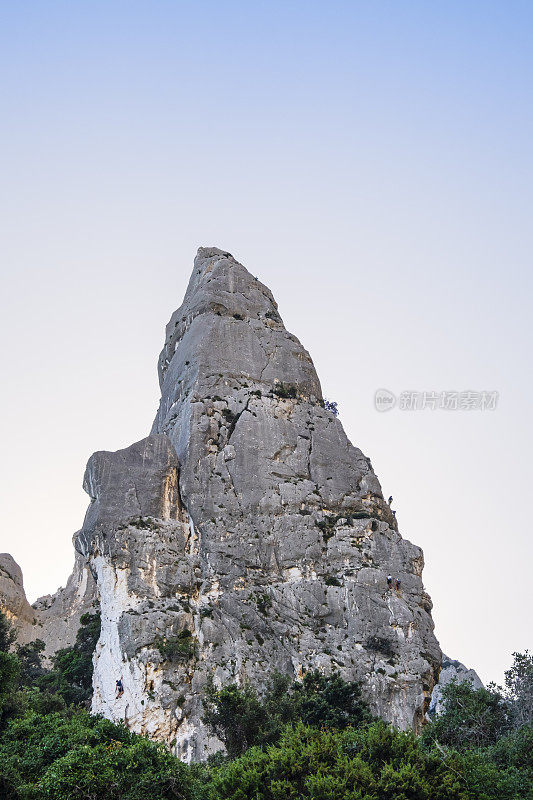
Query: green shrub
[237,717]
[263,602]
[7,633]
[177,648]
[331,580]
[241,719]
[380,644]
[285,390]
[9,678]
[76,757]
[471,717]
[372,764]
[329,701]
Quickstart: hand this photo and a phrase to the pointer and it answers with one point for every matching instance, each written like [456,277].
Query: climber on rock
[398,584]
[119,688]
[389,581]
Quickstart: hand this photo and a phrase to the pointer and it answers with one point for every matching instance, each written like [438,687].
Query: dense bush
[328,701]
[73,756]
[312,740]
[471,717]
[285,391]
[481,717]
[375,762]
[177,648]
[241,719]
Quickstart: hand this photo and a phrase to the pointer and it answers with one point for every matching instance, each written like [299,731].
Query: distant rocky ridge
[245,534]
[13,599]
[451,671]
[54,618]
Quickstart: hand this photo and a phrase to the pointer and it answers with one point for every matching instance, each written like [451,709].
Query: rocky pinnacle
[246,534]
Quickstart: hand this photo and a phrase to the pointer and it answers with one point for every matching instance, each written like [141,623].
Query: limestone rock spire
[246,533]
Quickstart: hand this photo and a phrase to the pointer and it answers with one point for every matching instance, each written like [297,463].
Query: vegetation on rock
[313,740]
[177,648]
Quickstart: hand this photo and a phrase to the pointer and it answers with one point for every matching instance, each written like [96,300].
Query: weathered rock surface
[451,671]
[138,539]
[275,551]
[54,618]
[246,534]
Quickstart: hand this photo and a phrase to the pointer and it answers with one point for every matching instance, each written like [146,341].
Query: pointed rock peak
[219,283]
[229,325]
[218,274]
[242,405]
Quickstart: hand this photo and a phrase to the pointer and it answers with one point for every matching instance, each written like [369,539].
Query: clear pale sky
[371,162]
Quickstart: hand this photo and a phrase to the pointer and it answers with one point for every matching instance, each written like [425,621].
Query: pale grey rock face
[246,534]
[283,541]
[54,618]
[451,671]
[226,364]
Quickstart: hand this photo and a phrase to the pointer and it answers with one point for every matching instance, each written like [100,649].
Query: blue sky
[370,162]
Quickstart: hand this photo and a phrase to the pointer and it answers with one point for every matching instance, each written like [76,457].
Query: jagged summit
[222,293]
[246,533]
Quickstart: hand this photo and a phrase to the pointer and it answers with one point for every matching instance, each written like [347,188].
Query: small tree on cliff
[471,717]
[519,688]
